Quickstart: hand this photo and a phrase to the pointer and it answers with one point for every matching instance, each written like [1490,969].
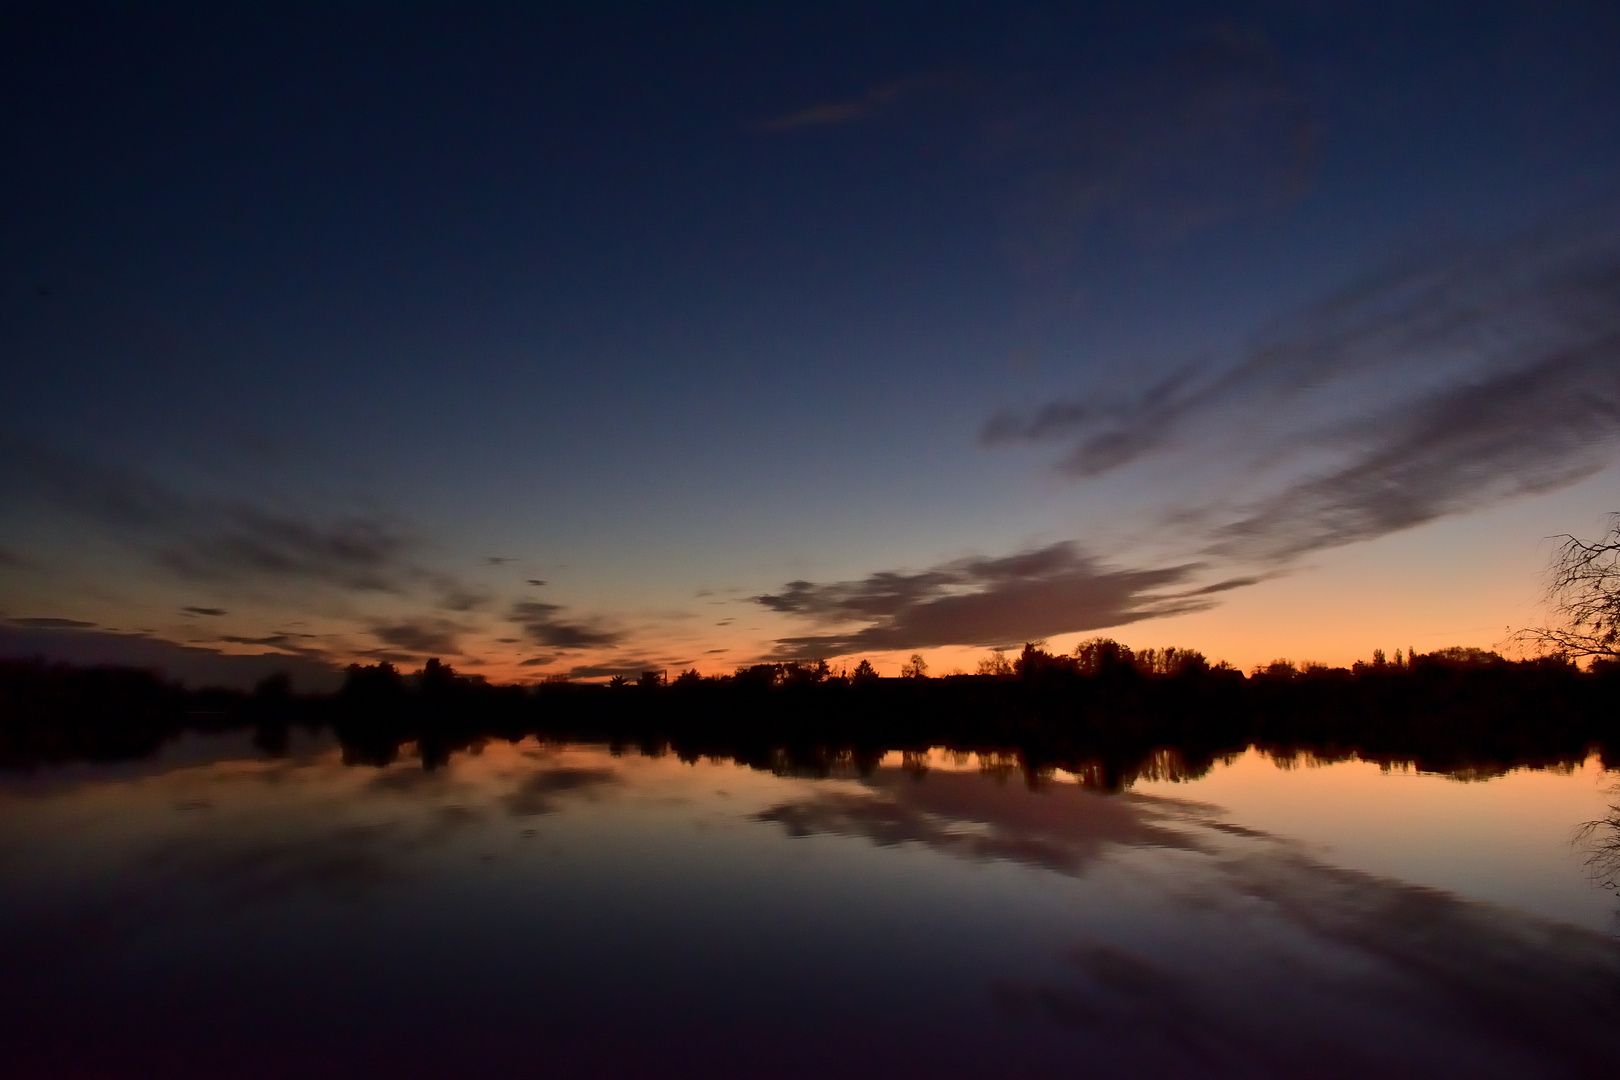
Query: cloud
[544,624]
[1516,434]
[245,543]
[287,642]
[1431,389]
[847,110]
[629,668]
[211,611]
[1110,434]
[421,636]
[1214,132]
[454,595]
[52,624]
[211,540]
[56,640]
[1041,593]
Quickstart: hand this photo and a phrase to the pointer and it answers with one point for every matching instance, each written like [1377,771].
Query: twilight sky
[607,337]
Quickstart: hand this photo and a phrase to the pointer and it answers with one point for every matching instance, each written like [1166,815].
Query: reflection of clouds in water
[1257,959]
[202,874]
[205,842]
[409,780]
[1063,829]
[233,871]
[1200,948]
[1291,967]
[541,792]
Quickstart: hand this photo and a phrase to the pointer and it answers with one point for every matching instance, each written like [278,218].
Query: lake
[544,909]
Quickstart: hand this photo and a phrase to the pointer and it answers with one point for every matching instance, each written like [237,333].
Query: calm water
[541,910]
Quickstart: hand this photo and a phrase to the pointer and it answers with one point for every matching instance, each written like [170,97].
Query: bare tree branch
[1583,587]
[1601,841]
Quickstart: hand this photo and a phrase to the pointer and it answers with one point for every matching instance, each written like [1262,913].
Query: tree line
[1102,711]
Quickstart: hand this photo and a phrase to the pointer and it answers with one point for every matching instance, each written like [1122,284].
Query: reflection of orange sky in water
[1508,839]
[1173,908]
[1505,839]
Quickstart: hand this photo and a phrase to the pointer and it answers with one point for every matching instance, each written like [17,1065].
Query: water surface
[535,909]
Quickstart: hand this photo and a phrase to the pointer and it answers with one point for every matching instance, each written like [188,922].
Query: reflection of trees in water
[1109,724]
[1600,840]
[1262,959]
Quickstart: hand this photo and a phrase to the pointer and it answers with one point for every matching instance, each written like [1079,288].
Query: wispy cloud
[236,547]
[549,625]
[67,640]
[246,543]
[420,636]
[847,110]
[289,642]
[211,540]
[1052,590]
[1514,434]
[627,667]
[1432,389]
[456,595]
[1213,132]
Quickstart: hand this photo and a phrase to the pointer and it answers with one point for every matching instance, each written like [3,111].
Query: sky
[579,340]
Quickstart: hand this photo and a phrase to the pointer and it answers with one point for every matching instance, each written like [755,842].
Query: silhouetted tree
[1102,656]
[996,664]
[914,668]
[864,672]
[1584,590]
[760,674]
[1459,656]
[1463,710]
[273,689]
[816,671]
[373,681]
[1035,661]
[437,676]
[1170,662]
[1277,669]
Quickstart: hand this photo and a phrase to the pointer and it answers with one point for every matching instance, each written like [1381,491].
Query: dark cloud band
[985,601]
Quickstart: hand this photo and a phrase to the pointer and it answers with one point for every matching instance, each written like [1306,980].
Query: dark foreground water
[541,910]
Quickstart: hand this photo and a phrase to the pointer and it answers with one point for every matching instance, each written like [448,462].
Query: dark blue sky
[832,329]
